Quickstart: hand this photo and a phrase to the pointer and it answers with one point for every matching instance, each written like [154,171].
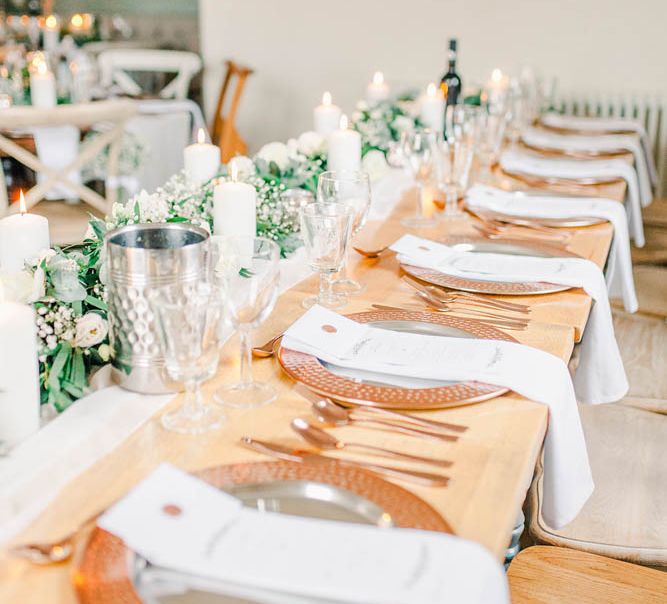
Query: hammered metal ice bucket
[141,257]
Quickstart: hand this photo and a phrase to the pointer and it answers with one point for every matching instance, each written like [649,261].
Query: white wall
[301,47]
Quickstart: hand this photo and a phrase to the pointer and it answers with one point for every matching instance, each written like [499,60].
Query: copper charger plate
[577,153]
[310,371]
[538,181]
[103,575]
[499,288]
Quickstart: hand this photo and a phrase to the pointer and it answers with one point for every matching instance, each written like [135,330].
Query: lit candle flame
[233,171]
[42,68]
[201,136]
[496,75]
[326,98]
[430,90]
[378,78]
[51,22]
[22,208]
[343,122]
[77,20]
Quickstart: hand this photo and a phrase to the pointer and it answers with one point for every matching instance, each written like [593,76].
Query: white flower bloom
[275,152]
[38,284]
[91,329]
[152,208]
[375,164]
[310,143]
[362,106]
[16,287]
[403,123]
[244,165]
[105,352]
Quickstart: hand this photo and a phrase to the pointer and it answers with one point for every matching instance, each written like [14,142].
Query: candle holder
[142,257]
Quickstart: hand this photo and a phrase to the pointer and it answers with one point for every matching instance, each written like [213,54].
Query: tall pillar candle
[326,116]
[51,34]
[344,148]
[377,90]
[234,207]
[19,375]
[201,160]
[432,108]
[42,86]
[22,237]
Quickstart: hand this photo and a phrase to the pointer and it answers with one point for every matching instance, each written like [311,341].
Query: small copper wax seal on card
[423,247]
[172,510]
[329,328]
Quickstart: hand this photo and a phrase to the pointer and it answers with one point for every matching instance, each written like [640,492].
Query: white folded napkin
[620,282]
[183,524]
[548,167]
[600,377]
[533,373]
[57,147]
[606,124]
[600,143]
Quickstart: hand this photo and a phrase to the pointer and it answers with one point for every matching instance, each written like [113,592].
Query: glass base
[419,222]
[245,396]
[334,301]
[457,215]
[348,286]
[202,420]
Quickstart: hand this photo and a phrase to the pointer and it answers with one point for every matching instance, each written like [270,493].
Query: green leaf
[78,372]
[177,219]
[137,211]
[96,302]
[244,272]
[58,364]
[99,228]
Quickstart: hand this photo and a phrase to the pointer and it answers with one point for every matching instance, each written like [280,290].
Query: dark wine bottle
[451,81]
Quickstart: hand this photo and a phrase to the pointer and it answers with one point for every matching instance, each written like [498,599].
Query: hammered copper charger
[103,575]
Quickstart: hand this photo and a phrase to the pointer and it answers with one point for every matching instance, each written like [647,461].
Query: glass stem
[420,200]
[326,289]
[246,358]
[192,403]
[451,198]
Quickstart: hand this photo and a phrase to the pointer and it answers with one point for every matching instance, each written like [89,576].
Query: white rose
[275,152]
[244,165]
[105,352]
[16,287]
[403,123]
[38,284]
[310,143]
[375,164]
[91,329]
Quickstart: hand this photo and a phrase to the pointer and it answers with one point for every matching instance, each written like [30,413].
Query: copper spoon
[323,440]
[370,253]
[329,413]
[267,349]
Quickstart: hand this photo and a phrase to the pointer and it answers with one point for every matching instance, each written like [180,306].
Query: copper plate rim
[558,223]
[307,369]
[578,153]
[553,180]
[583,131]
[103,574]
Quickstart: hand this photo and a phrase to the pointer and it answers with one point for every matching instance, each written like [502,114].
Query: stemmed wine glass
[421,147]
[246,271]
[352,188]
[456,161]
[325,229]
[187,316]
[462,123]
[492,130]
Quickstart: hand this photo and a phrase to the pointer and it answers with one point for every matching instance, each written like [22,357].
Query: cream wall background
[299,48]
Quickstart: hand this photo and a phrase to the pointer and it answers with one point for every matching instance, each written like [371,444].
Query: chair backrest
[224,132]
[112,114]
[115,64]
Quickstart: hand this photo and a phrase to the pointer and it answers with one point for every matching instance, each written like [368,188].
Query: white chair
[112,114]
[115,64]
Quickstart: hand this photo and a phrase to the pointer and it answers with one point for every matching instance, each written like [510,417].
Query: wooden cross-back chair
[113,114]
[224,131]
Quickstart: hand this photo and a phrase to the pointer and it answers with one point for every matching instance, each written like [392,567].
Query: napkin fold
[533,373]
[618,273]
[606,124]
[601,143]
[183,524]
[600,377]
[514,162]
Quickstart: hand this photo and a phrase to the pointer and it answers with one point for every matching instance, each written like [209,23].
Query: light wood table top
[493,461]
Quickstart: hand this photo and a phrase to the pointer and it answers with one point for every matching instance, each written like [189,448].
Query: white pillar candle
[344,148]
[495,91]
[51,33]
[42,86]
[377,90]
[234,207]
[22,237]
[201,160]
[326,116]
[432,108]
[19,375]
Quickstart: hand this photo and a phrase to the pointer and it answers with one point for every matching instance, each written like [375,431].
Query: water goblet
[187,317]
[352,188]
[246,271]
[456,157]
[492,130]
[422,148]
[325,229]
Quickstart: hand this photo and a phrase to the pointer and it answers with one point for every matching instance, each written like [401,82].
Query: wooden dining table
[494,460]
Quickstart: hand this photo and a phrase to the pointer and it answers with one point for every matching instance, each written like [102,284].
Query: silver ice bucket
[141,257]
